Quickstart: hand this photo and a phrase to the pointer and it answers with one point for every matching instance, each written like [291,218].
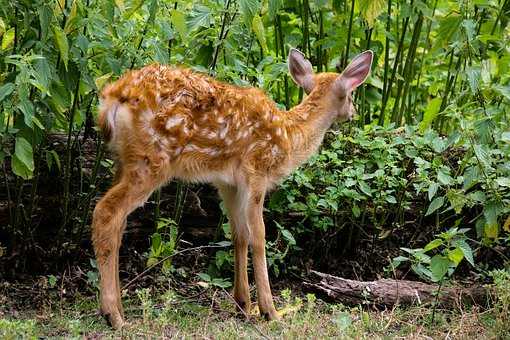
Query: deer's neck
[306,127]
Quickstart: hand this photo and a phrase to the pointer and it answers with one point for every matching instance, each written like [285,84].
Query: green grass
[211,315]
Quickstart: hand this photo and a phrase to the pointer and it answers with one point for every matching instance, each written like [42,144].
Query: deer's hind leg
[108,222]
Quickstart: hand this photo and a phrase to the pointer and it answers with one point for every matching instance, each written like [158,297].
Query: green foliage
[441,70]
[377,179]
[450,249]
[163,243]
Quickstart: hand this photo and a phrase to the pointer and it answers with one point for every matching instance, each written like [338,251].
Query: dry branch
[388,292]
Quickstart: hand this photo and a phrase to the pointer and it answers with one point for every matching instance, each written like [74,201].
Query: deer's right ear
[301,70]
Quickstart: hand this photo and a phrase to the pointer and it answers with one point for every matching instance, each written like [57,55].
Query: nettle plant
[163,243]
[440,257]
[375,181]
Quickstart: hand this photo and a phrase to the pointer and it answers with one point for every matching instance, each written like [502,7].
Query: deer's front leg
[240,238]
[258,245]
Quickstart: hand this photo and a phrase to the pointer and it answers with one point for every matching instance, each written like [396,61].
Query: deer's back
[192,125]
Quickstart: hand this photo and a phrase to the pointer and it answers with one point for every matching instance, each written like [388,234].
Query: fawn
[163,122]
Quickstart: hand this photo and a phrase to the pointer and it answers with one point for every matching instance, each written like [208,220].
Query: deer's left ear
[301,70]
[357,71]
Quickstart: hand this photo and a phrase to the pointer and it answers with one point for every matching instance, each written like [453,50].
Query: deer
[164,122]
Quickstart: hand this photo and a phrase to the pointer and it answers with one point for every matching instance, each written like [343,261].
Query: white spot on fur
[173,121]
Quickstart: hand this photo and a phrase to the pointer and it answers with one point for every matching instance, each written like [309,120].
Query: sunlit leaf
[178,19]
[433,244]
[456,255]
[371,9]
[506,226]
[2,27]
[430,114]
[8,39]
[71,18]
[258,28]
[61,44]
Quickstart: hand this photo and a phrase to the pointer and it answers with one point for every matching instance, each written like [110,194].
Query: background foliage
[429,149]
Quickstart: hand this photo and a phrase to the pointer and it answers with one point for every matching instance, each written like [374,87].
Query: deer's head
[332,89]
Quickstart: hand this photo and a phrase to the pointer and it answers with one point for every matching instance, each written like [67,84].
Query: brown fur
[163,122]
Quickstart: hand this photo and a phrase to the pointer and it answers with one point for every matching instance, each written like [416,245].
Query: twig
[166,258]
[210,310]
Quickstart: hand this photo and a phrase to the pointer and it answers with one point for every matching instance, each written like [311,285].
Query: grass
[159,313]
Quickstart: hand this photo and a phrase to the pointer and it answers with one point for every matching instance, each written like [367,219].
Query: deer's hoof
[271,315]
[114,319]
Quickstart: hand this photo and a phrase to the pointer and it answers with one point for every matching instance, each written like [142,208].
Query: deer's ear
[301,70]
[357,71]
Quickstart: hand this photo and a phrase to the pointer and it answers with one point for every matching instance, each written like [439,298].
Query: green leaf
[2,27]
[153,10]
[433,244]
[156,243]
[435,204]
[491,212]
[482,154]
[503,181]
[456,255]
[288,237]
[61,43]
[391,199]
[248,10]
[258,29]
[274,7]
[178,19]
[471,177]
[371,9]
[491,230]
[505,137]
[443,176]
[439,265]
[22,161]
[430,114]
[5,90]
[8,39]
[457,199]
[200,17]
[448,26]
[473,76]
[45,17]
[356,210]
[466,250]
[365,188]
[432,190]
[204,277]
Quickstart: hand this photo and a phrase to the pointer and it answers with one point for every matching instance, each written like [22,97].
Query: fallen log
[388,292]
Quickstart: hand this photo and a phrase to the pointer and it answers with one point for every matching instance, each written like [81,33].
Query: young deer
[163,122]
